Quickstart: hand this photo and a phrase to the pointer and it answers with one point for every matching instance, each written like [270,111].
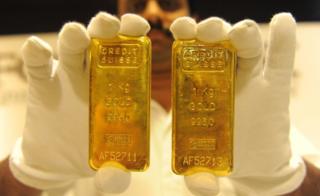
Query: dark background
[31,16]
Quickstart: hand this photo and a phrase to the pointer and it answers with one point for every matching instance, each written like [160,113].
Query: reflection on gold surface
[203,107]
[120,102]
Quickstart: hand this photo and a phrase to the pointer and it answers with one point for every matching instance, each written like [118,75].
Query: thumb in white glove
[53,151]
[202,184]
[263,162]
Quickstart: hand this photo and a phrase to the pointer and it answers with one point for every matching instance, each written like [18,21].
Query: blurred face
[160,14]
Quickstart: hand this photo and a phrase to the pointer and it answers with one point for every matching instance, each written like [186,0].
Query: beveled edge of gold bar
[177,43]
[119,38]
[203,169]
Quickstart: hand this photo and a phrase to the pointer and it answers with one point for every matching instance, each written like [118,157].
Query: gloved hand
[263,161]
[53,151]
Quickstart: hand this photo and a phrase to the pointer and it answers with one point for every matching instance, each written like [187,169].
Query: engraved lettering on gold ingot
[120,102]
[203,107]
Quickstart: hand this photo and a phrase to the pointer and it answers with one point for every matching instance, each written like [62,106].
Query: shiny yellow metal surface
[120,102]
[203,107]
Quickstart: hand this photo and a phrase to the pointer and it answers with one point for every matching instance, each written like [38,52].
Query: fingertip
[104,25]
[111,179]
[73,38]
[36,52]
[283,27]
[283,30]
[133,25]
[212,30]
[246,38]
[184,28]
[284,19]
[281,49]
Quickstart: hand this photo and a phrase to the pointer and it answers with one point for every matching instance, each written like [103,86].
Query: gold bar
[203,107]
[120,102]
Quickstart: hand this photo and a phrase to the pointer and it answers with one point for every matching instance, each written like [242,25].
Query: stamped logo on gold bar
[203,58]
[120,55]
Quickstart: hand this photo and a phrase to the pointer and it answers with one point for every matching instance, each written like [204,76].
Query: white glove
[53,151]
[263,161]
